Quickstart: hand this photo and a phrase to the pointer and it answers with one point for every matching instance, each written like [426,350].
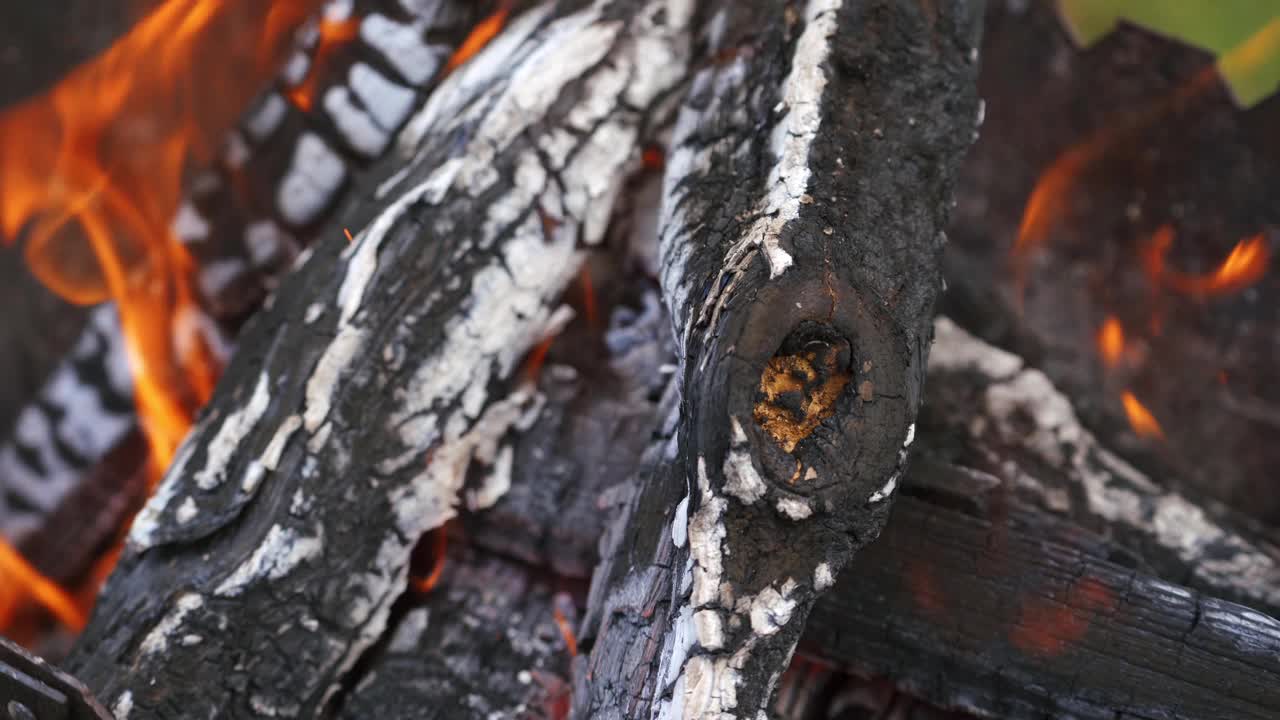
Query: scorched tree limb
[806,191]
[270,557]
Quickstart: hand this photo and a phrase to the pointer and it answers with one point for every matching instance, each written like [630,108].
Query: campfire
[641,358]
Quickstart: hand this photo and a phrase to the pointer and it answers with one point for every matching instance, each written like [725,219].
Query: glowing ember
[439,546]
[559,603]
[480,36]
[1140,418]
[335,32]
[1244,266]
[1111,341]
[1047,628]
[20,579]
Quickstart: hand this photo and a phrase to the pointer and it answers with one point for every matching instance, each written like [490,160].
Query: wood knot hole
[801,383]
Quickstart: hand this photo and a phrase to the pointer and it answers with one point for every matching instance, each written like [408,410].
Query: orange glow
[566,632]
[480,36]
[1047,628]
[1140,418]
[347,234]
[1111,341]
[653,158]
[1244,266]
[537,358]
[22,580]
[439,544]
[334,33]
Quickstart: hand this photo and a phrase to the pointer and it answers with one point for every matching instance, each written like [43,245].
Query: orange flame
[1140,418]
[91,176]
[1111,341]
[334,33]
[479,36]
[20,579]
[1050,198]
[93,172]
[1244,266]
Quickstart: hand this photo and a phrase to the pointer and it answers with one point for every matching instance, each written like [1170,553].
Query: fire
[335,32]
[1050,199]
[1140,418]
[1111,341]
[20,578]
[1244,266]
[91,177]
[480,36]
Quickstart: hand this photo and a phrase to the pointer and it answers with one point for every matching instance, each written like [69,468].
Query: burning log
[347,422]
[799,260]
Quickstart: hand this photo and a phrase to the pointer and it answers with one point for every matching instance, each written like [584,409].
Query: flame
[479,36]
[335,32]
[1140,418]
[1111,341]
[1051,197]
[91,177]
[22,579]
[1244,266]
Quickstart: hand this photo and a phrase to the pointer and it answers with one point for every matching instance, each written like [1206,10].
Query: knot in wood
[801,384]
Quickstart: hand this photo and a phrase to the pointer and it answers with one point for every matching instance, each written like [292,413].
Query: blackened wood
[276,546]
[1027,616]
[991,411]
[807,185]
[484,643]
[587,439]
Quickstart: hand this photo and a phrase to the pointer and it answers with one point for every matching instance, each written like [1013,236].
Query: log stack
[614,405]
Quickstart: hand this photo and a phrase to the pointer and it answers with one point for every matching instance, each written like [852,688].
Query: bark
[485,643]
[806,190]
[346,424]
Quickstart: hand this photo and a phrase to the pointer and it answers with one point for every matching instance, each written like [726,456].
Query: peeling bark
[806,190]
[348,420]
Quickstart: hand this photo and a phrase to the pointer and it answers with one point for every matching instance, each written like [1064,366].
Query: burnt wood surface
[807,185]
[986,591]
[346,424]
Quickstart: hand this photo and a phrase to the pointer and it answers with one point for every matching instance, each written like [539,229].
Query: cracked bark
[346,424]
[806,190]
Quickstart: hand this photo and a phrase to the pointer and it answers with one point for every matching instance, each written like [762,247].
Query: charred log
[346,423]
[486,642]
[799,260]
